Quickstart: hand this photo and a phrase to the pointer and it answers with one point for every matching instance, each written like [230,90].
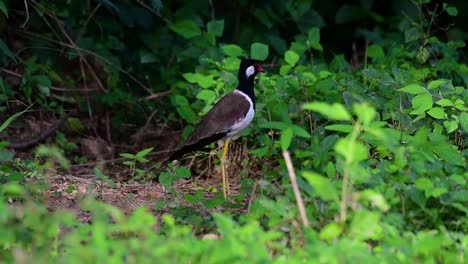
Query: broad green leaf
[451,126]
[437,113]
[216,27]
[301,132]
[331,231]
[232,50]
[413,89]
[463,121]
[377,199]
[449,153]
[379,76]
[444,102]
[207,95]
[259,51]
[291,57]
[334,111]
[286,138]
[352,151]
[421,103]
[314,35]
[313,38]
[205,81]
[366,225]
[186,28]
[331,170]
[452,11]
[340,128]
[412,34]
[375,51]
[365,113]
[324,187]
[436,84]
[165,179]
[285,69]
[183,172]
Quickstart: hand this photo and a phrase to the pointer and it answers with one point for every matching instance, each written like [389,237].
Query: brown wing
[215,125]
[221,117]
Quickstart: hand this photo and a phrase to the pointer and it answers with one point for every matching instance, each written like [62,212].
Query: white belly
[241,124]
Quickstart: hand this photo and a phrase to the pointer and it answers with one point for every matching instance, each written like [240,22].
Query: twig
[154,12]
[27,13]
[292,175]
[254,189]
[156,95]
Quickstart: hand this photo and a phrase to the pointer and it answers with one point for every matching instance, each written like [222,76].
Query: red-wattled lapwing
[228,117]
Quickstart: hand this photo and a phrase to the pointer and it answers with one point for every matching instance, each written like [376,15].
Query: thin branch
[292,176]
[27,13]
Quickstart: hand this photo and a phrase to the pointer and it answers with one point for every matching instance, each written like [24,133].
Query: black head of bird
[228,117]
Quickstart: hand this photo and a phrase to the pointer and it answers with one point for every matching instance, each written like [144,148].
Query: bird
[227,118]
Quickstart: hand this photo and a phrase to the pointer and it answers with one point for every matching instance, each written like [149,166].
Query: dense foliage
[368,99]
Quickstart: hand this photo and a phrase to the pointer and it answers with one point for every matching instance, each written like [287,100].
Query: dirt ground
[86,149]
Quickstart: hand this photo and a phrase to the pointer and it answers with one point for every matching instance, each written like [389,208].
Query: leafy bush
[378,140]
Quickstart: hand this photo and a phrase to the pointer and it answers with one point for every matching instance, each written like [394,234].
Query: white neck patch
[250,70]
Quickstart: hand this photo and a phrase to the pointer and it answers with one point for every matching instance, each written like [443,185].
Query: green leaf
[421,103]
[353,151]
[301,132]
[375,51]
[324,187]
[436,84]
[412,34]
[4,48]
[183,172]
[291,57]
[334,111]
[449,153]
[444,102]
[207,95]
[413,89]
[144,152]
[232,50]
[437,113]
[165,179]
[365,113]
[273,125]
[331,170]
[3,8]
[186,28]
[424,184]
[286,138]
[13,117]
[313,38]
[340,128]
[463,121]
[452,11]
[331,231]
[259,51]
[366,225]
[216,27]
[451,126]
[127,155]
[205,81]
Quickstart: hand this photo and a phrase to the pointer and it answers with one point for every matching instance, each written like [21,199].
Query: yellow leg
[226,189]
